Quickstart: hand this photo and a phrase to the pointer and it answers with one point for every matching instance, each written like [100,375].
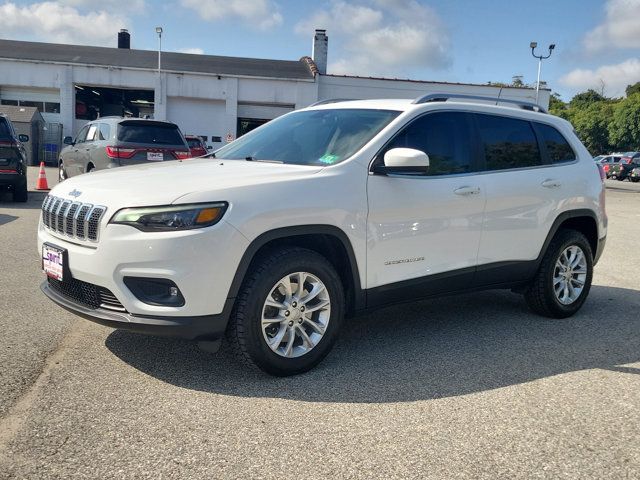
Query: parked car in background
[115,141]
[634,175]
[609,161]
[629,161]
[196,145]
[13,160]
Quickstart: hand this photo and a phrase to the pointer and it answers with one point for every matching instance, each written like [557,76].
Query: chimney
[124,39]
[319,50]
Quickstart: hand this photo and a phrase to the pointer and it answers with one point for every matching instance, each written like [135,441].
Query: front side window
[313,137]
[445,137]
[82,134]
[507,142]
[557,146]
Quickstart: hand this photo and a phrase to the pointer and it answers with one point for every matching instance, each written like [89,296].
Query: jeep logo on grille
[75,193]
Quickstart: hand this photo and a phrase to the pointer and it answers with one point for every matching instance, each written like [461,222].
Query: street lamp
[533,46]
[159,32]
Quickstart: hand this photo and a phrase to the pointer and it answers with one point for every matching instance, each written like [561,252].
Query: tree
[586,98]
[592,125]
[557,106]
[624,129]
[631,89]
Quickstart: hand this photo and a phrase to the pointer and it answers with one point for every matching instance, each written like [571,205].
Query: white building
[212,96]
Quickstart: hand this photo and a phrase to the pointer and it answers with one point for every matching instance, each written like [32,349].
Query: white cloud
[381,37]
[620,28]
[195,51]
[134,6]
[50,21]
[615,77]
[262,13]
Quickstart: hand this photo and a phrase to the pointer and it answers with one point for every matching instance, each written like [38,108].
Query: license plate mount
[54,261]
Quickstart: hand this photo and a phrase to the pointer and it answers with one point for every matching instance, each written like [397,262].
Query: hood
[165,183]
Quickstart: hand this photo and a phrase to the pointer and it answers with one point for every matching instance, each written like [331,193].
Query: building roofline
[431,82]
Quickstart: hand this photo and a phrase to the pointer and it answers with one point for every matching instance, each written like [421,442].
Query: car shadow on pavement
[426,350]
[34,202]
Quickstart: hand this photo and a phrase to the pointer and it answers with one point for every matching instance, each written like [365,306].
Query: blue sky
[457,40]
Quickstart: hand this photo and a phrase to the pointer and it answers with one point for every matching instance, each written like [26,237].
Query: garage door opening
[94,102]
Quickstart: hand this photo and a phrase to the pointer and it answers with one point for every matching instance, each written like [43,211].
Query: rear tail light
[9,143]
[119,152]
[603,175]
[181,154]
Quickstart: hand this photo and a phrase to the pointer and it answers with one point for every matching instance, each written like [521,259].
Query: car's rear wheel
[563,280]
[288,312]
[20,192]
[635,180]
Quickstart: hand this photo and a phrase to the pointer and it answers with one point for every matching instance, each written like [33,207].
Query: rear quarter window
[558,148]
[507,142]
[149,133]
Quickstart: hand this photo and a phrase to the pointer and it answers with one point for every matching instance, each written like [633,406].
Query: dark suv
[13,160]
[629,161]
[110,142]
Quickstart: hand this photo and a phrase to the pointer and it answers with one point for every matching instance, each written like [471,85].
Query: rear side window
[507,142]
[5,132]
[557,146]
[104,131]
[92,134]
[149,133]
[445,137]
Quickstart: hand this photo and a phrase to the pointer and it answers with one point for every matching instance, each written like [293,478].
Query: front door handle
[466,190]
[550,183]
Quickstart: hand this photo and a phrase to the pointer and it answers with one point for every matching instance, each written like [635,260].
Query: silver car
[114,142]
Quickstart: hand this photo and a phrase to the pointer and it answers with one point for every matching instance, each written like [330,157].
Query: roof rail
[443,97]
[331,100]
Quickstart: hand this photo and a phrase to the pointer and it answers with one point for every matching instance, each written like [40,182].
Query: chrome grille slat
[72,219]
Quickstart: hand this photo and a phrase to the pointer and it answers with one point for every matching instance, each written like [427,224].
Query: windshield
[313,137]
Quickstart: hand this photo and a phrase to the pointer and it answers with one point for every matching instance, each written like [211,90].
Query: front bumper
[204,327]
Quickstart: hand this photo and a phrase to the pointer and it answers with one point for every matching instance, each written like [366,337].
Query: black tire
[635,180]
[90,168]
[20,192]
[540,295]
[244,331]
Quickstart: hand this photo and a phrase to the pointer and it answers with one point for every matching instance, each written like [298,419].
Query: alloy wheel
[295,314]
[570,275]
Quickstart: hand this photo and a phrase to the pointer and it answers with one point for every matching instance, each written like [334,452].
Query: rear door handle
[549,183]
[466,190]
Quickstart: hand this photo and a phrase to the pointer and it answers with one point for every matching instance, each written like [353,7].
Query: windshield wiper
[254,159]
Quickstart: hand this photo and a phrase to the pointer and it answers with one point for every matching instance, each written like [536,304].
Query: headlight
[171,217]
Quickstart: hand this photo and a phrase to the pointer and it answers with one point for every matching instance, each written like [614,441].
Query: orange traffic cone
[41,184]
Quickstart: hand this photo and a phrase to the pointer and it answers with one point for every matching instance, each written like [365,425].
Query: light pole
[159,32]
[533,46]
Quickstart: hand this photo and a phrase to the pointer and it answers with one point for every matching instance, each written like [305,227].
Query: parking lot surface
[473,386]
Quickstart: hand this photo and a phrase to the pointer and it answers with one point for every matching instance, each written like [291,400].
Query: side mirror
[23,138]
[67,141]
[404,160]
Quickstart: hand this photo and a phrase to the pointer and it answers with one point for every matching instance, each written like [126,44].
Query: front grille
[73,219]
[86,294]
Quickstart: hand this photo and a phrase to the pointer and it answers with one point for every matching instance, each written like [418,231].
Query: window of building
[557,146]
[51,107]
[9,102]
[507,142]
[29,103]
[445,137]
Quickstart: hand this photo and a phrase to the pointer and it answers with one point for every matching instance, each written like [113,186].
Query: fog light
[155,291]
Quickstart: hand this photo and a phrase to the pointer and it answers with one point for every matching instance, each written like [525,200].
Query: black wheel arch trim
[557,223]
[296,231]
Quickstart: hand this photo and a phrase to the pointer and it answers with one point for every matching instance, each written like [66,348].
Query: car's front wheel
[20,191]
[288,313]
[563,280]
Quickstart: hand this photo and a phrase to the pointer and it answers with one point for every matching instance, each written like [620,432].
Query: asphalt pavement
[473,386]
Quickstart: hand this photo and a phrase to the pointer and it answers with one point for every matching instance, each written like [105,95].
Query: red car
[196,146]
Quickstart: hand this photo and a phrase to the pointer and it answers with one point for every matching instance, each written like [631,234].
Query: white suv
[326,212]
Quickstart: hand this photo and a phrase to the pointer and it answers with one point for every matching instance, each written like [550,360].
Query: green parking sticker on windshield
[328,158]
